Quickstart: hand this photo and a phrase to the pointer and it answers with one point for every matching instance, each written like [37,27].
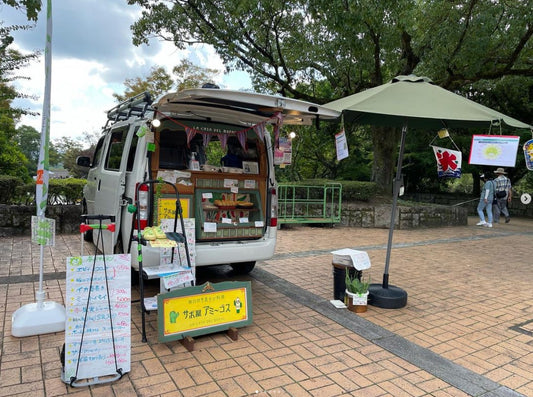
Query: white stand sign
[98,326]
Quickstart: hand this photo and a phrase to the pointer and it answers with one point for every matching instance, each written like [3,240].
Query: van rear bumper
[217,253]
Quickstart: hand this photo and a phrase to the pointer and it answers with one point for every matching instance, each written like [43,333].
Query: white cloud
[92,55]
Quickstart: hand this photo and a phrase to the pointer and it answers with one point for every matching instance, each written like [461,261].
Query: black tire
[134,277]
[242,267]
[88,235]
[119,248]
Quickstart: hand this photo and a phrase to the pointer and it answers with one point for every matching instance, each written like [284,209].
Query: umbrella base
[387,298]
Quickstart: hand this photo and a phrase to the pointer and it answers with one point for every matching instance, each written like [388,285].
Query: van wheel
[134,277]
[243,267]
[88,235]
[119,249]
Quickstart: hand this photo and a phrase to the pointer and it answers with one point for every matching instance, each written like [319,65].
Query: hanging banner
[283,153]
[448,162]
[528,153]
[494,150]
[341,145]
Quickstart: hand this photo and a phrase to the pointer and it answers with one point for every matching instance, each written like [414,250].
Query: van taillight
[143,206]
[273,208]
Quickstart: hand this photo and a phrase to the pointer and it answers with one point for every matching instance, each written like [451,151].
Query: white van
[214,145]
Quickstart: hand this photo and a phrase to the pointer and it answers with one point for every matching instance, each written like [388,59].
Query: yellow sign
[167,208]
[204,309]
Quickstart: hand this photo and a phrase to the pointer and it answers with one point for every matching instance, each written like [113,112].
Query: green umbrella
[417,102]
[412,101]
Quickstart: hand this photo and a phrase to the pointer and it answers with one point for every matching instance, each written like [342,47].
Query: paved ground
[467,328]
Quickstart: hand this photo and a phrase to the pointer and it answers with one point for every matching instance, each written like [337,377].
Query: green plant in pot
[357,293]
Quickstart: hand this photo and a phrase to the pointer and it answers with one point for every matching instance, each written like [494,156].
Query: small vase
[357,303]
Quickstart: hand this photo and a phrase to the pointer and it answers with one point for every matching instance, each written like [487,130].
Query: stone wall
[16,219]
[516,208]
[407,217]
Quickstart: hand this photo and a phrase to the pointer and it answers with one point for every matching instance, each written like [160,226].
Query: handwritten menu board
[90,303]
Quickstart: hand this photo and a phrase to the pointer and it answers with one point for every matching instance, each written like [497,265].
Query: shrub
[8,186]
[60,191]
[351,190]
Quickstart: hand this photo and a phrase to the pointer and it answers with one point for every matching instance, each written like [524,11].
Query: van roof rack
[134,106]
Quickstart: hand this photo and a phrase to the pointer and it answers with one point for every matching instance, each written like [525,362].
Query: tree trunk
[385,143]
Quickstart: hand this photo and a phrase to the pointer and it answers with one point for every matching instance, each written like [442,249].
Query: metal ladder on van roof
[134,106]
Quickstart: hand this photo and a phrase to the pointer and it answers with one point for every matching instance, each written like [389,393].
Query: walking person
[485,201]
[502,195]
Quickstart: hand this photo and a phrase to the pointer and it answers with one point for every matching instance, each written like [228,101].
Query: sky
[92,56]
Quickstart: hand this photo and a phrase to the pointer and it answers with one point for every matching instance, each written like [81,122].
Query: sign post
[42,317]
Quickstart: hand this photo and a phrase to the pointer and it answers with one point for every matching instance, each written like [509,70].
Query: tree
[189,75]
[320,50]
[159,82]
[32,7]
[28,140]
[12,160]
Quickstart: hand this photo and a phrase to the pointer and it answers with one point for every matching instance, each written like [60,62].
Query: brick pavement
[467,328]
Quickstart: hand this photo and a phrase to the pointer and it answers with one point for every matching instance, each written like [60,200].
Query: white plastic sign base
[38,318]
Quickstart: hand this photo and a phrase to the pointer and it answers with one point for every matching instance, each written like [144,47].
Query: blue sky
[92,55]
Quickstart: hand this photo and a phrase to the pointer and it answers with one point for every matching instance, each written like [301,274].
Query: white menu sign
[100,312]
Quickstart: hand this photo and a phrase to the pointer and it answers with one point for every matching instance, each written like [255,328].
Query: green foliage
[12,161]
[356,286]
[28,141]
[157,83]
[189,75]
[30,7]
[8,186]
[323,50]
[60,192]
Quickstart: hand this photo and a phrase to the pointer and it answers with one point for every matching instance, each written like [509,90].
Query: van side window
[116,147]
[133,148]
[97,157]
[173,151]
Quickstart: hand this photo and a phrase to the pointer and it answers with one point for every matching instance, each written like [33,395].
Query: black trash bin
[339,277]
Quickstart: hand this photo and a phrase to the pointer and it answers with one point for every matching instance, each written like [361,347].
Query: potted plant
[356,293]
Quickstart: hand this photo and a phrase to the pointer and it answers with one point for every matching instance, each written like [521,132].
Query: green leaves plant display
[356,286]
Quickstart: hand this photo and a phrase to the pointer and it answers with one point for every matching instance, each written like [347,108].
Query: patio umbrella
[412,101]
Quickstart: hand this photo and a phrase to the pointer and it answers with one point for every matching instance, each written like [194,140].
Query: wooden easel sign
[204,309]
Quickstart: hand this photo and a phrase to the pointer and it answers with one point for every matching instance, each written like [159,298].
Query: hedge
[60,191]
[351,190]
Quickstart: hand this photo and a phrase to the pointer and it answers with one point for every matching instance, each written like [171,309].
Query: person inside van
[233,158]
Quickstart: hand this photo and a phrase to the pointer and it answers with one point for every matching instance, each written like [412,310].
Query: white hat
[500,171]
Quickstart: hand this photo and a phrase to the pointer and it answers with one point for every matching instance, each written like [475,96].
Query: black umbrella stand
[384,295]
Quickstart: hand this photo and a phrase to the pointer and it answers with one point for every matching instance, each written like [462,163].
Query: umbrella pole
[385,296]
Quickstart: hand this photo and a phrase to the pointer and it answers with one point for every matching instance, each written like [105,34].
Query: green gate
[309,203]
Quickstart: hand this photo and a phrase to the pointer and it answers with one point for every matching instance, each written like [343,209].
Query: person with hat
[503,195]
[485,201]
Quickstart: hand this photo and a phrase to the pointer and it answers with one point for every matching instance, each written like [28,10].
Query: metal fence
[309,203]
